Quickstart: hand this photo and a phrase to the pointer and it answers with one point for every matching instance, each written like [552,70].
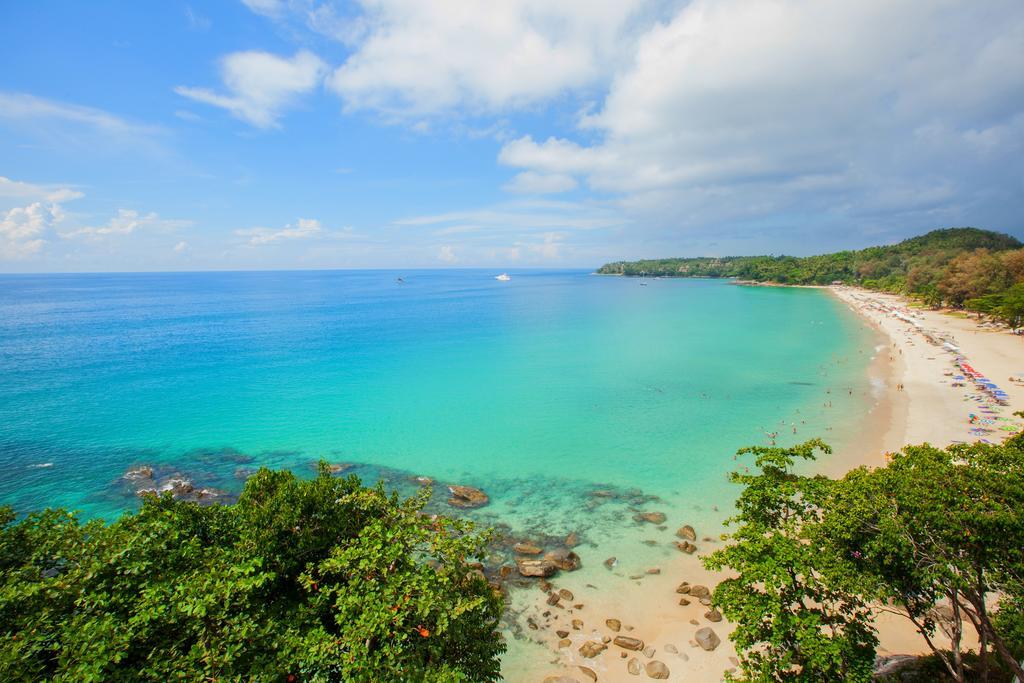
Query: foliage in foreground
[318,580]
[937,534]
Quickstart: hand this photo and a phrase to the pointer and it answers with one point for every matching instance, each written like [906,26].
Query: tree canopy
[950,266]
[937,534]
[320,580]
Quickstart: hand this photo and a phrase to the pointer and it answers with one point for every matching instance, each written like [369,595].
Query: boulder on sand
[592,648]
[656,669]
[686,532]
[707,638]
[629,643]
[686,547]
[467,497]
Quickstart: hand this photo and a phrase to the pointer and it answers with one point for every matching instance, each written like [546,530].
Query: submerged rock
[467,497]
[650,517]
[613,624]
[687,532]
[527,548]
[633,666]
[588,672]
[143,472]
[592,648]
[610,562]
[572,540]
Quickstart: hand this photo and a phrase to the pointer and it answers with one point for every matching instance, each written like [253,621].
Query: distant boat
[503,277]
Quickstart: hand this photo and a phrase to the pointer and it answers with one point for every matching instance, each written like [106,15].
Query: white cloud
[446,254]
[268,8]
[531,182]
[260,85]
[18,190]
[304,229]
[735,109]
[415,57]
[125,222]
[181,247]
[72,123]
[24,228]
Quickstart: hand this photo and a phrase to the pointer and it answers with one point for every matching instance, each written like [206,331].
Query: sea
[540,390]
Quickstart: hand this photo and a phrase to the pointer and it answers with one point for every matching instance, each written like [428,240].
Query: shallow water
[538,390]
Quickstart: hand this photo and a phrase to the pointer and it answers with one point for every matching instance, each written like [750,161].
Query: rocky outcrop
[563,559]
[535,568]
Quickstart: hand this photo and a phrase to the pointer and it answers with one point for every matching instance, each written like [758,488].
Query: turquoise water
[540,391]
[553,382]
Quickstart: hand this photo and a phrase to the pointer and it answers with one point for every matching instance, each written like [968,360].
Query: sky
[276,134]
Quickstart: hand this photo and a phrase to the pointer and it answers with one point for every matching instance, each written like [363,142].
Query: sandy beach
[920,395]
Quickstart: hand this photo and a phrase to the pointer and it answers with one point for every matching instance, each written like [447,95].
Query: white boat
[503,277]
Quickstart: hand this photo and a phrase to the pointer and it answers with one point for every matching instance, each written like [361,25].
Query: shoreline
[926,409]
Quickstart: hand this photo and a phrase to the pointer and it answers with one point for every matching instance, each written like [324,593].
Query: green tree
[792,623]
[320,580]
[937,528]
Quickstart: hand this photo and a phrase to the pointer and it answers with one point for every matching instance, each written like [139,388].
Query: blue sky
[400,133]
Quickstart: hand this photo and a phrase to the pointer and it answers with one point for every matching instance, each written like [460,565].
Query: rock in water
[613,624]
[629,643]
[536,568]
[656,669]
[527,548]
[633,666]
[467,497]
[566,594]
[563,559]
[686,532]
[651,517]
[572,540]
[707,638]
[610,562]
[136,473]
[588,672]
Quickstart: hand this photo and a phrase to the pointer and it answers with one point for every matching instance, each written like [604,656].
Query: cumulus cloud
[24,227]
[531,182]
[414,58]
[736,109]
[260,85]
[181,247]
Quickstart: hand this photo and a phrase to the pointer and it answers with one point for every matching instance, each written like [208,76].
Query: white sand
[928,409]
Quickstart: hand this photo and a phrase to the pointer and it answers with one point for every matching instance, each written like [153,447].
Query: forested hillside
[960,267]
